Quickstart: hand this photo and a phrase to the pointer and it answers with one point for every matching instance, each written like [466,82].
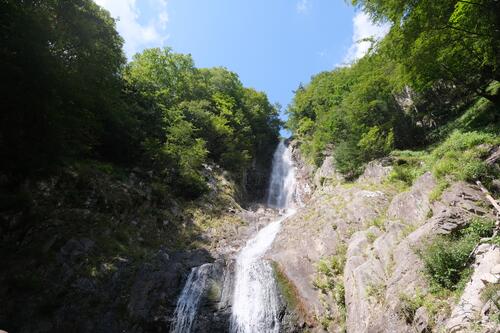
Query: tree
[455,41]
[60,63]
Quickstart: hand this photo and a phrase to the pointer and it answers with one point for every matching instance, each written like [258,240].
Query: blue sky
[273,45]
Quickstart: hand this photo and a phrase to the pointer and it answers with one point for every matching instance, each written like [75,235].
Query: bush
[445,259]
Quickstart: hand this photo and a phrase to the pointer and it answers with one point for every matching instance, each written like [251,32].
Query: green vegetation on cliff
[436,72]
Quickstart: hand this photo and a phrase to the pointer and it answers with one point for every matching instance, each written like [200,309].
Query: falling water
[282,184]
[187,304]
[255,301]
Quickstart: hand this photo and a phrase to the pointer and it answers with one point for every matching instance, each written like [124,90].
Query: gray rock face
[382,231]
[327,173]
[470,306]
[411,207]
[304,175]
[317,231]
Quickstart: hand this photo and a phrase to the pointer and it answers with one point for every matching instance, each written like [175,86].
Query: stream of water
[255,299]
[187,305]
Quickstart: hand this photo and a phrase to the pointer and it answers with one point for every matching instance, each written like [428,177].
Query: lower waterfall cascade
[187,305]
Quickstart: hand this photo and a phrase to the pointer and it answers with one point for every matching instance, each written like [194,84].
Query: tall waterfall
[255,301]
[187,304]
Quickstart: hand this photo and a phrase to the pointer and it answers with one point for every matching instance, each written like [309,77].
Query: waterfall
[255,298]
[255,301]
[282,183]
[187,304]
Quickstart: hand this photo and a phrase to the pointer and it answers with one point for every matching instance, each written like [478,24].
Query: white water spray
[255,301]
[187,305]
[282,184]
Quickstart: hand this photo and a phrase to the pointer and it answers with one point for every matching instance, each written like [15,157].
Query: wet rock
[157,284]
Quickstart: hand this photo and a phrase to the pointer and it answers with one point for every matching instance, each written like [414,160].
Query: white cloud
[302,6]
[138,35]
[363,28]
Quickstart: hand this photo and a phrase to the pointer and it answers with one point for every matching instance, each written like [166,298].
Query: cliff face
[98,250]
[353,255]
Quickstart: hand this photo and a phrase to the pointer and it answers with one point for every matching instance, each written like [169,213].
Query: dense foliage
[70,95]
[437,60]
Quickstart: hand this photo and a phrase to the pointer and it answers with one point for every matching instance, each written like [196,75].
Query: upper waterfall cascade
[282,184]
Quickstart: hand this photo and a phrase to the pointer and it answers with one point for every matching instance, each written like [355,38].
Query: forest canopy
[69,94]
[437,60]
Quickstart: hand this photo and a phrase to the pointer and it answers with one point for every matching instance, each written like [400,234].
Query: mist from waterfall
[255,302]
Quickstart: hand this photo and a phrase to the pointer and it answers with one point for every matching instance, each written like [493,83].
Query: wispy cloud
[363,28]
[302,6]
[138,35]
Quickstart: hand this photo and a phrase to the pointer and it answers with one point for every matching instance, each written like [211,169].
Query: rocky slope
[351,255]
[100,250]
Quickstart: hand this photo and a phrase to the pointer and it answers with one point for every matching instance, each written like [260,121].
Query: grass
[377,292]
[491,293]
[329,280]
[371,236]
[459,157]
[378,222]
[409,304]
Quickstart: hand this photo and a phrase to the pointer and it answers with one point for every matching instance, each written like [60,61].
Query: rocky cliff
[96,249]
[103,251]
[353,255]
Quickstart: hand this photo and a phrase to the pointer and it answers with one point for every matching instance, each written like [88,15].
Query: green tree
[60,63]
[452,41]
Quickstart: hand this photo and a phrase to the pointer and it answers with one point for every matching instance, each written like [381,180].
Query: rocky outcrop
[469,310]
[382,229]
[332,214]
[103,252]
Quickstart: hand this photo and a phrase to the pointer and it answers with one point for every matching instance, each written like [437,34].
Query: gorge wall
[352,257]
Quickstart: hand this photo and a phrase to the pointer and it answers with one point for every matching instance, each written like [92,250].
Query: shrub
[433,305]
[445,259]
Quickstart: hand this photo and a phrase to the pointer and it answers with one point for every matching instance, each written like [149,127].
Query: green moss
[214,292]
[287,288]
